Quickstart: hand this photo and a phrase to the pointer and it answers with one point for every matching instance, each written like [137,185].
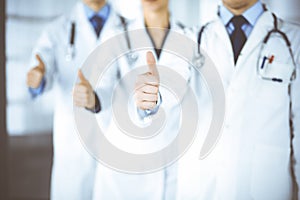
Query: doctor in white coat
[258,154]
[60,51]
[162,184]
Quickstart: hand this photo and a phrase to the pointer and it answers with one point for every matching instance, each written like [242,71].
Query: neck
[95,5]
[157,19]
[239,10]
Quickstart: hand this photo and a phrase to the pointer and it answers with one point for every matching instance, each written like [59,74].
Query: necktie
[238,37]
[97,23]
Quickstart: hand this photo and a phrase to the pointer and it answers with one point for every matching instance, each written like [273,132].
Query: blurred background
[27,123]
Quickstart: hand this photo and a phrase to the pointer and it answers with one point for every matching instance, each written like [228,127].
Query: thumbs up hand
[36,74]
[147,85]
[83,93]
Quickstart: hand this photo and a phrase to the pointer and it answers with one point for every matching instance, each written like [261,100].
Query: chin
[96,1]
[237,4]
[150,1]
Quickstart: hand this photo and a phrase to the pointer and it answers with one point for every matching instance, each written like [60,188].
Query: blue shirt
[103,13]
[251,15]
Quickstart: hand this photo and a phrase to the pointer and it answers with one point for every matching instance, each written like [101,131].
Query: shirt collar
[225,14]
[254,12]
[103,12]
[251,14]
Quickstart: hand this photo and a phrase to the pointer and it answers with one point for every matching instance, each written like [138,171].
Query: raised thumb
[81,76]
[41,63]
[152,69]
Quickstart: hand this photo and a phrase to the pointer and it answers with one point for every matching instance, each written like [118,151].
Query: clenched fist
[147,85]
[83,93]
[36,74]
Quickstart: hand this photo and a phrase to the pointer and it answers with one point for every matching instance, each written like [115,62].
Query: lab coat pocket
[269,95]
[277,71]
[270,173]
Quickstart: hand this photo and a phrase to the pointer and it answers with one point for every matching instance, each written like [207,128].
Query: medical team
[257,56]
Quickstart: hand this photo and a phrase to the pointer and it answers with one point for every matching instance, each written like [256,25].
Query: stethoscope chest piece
[70,54]
[132,57]
[198,60]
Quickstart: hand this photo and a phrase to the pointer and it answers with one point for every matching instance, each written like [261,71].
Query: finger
[77,95]
[81,76]
[146,79]
[41,63]
[31,76]
[34,74]
[32,84]
[146,105]
[81,88]
[33,81]
[79,103]
[152,69]
[149,89]
[80,97]
[147,97]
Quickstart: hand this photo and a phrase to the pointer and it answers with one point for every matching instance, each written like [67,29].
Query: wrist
[95,104]
[92,101]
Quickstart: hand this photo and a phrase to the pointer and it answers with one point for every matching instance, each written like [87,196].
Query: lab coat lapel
[163,57]
[167,59]
[223,36]
[220,49]
[85,27]
[175,26]
[139,24]
[111,27]
[260,30]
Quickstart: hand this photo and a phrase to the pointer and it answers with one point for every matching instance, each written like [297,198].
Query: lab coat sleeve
[37,91]
[295,95]
[45,47]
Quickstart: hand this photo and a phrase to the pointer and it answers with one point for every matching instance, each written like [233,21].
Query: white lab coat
[110,184]
[252,159]
[73,168]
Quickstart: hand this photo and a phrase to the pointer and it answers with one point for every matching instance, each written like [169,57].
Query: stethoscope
[269,59]
[199,58]
[70,52]
[131,55]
